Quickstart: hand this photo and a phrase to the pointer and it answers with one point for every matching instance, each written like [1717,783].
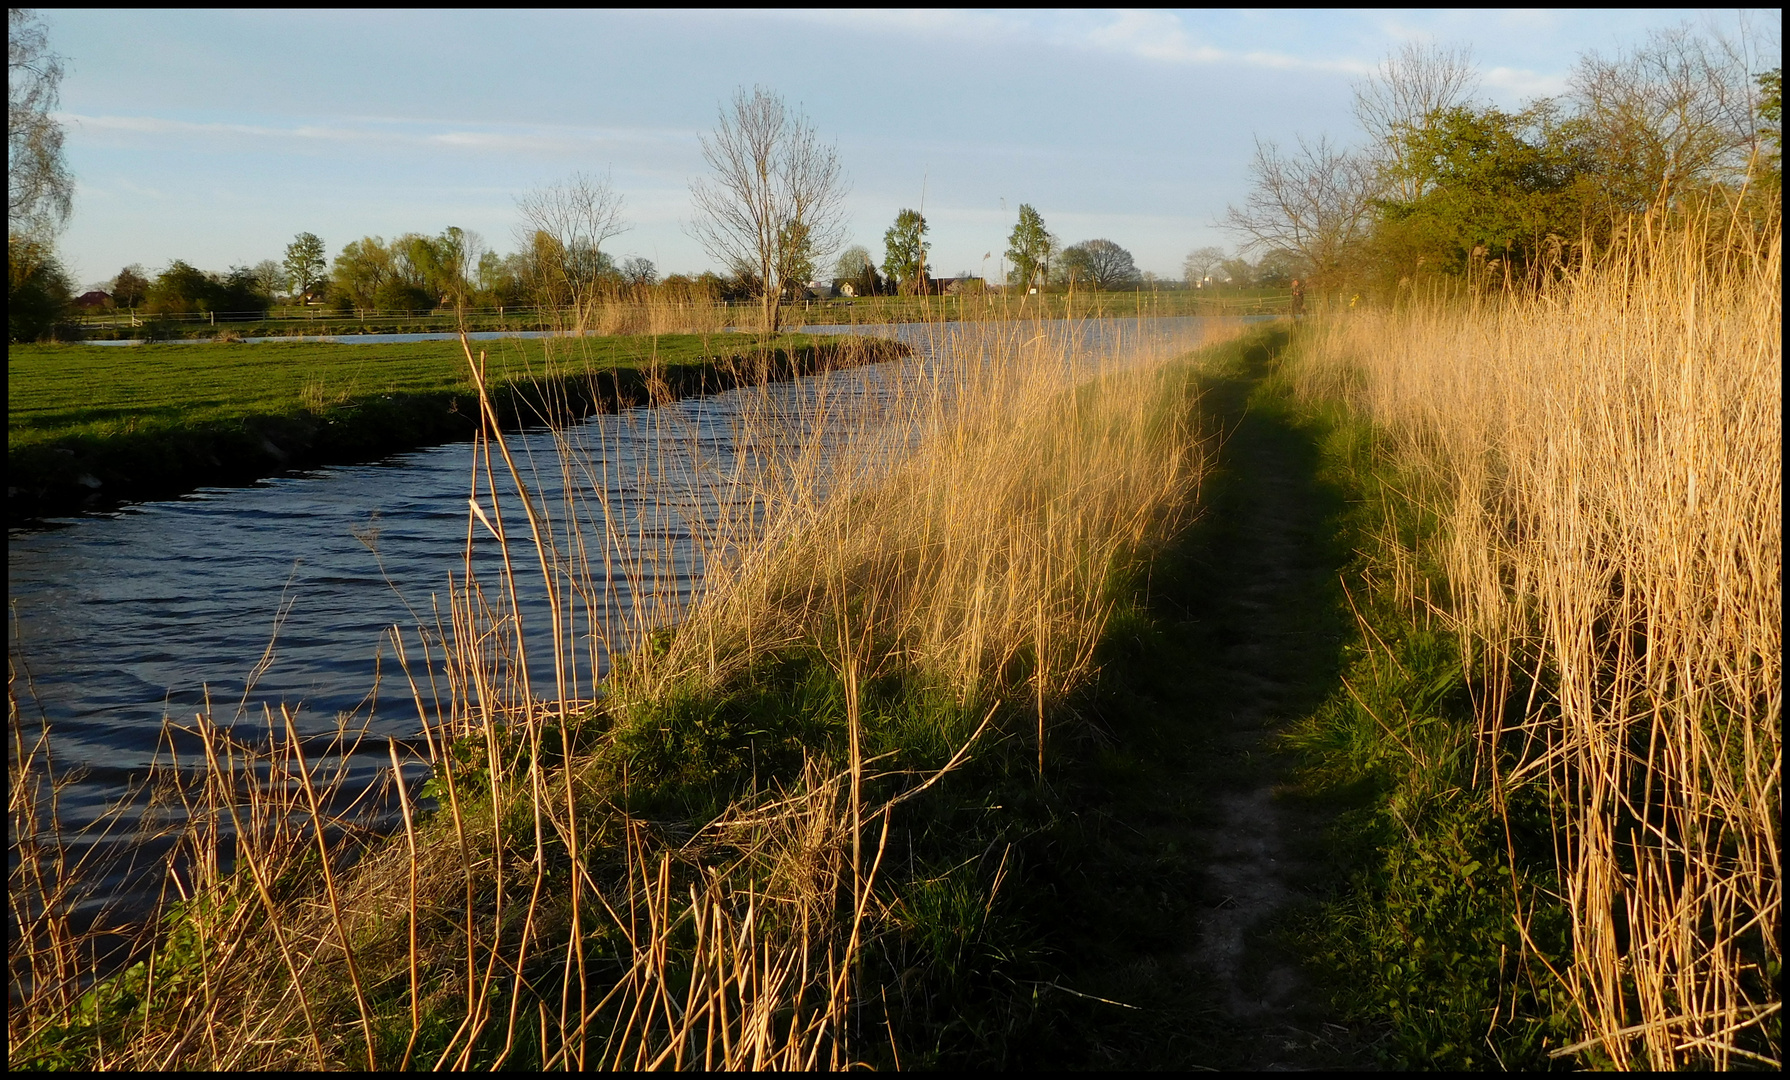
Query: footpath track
[1188,852]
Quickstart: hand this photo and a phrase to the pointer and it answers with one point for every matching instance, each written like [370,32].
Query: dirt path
[1188,852]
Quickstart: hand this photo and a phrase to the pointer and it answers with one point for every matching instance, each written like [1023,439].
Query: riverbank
[666,317]
[91,428]
[799,815]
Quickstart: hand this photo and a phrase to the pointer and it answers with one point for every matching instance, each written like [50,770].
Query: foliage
[304,262]
[904,248]
[38,290]
[39,188]
[131,287]
[1494,186]
[1029,249]
[185,289]
[1100,263]
[795,258]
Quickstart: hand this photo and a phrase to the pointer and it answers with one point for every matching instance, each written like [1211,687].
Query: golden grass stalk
[1606,455]
[964,518]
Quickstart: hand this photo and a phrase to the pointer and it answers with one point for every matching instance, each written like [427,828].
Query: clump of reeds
[577,898]
[1605,453]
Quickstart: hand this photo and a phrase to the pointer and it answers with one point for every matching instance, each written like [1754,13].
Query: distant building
[92,300]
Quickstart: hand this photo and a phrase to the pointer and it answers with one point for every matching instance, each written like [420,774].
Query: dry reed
[965,519]
[1605,454]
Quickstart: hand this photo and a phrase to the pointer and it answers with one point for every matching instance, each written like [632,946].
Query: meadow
[150,421]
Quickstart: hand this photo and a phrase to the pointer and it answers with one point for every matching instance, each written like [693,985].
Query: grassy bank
[90,426]
[788,830]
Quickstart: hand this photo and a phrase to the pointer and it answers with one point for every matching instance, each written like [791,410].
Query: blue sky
[215,136]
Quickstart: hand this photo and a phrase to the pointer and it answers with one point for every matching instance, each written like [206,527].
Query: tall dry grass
[962,520]
[1605,454]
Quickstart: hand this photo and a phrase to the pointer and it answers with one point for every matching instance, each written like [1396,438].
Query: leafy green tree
[181,289]
[904,252]
[1099,263]
[131,287]
[360,270]
[304,262]
[1495,185]
[37,290]
[239,295]
[1029,249]
[1238,272]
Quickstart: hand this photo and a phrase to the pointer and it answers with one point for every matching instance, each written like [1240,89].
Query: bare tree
[566,225]
[1200,263]
[1676,112]
[271,277]
[1405,95]
[775,201]
[1314,204]
[39,188]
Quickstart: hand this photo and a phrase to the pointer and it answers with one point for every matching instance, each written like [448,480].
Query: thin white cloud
[538,140]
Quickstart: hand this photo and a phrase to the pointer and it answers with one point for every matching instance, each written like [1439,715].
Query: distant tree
[1771,126]
[39,188]
[795,259]
[904,252]
[1200,263]
[1663,119]
[37,290]
[565,226]
[181,289]
[1316,203]
[774,199]
[639,271]
[304,262]
[852,262]
[363,266]
[1402,98]
[398,294]
[238,295]
[1029,249]
[130,287]
[1101,264]
[1279,267]
[271,277]
[1237,271]
[502,279]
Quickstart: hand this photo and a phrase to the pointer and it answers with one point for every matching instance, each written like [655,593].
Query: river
[125,621]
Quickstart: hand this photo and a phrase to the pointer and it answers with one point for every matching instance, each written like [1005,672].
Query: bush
[37,290]
[401,296]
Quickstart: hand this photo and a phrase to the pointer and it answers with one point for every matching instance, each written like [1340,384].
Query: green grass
[88,426]
[57,391]
[1421,935]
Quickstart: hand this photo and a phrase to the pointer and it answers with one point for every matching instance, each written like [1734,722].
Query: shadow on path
[1181,848]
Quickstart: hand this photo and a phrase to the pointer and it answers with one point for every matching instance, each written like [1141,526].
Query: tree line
[1446,187]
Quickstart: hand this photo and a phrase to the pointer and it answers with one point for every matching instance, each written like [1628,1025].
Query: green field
[291,321]
[57,391]
[90,425]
